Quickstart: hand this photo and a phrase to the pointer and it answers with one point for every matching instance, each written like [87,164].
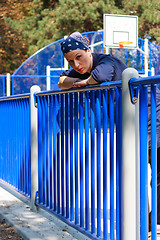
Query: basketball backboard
[120,31]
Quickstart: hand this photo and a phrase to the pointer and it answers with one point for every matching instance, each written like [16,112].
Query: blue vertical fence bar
[24,149]
[50,151]
[86,160]
[118,162]
[14,144]
[9,147]
[3,85]
[24,144]
[13,147]
[111,115]
[81,126]
[92,94]
[66,155]
[58,154]
[20,147]
[28,146]
[105,128]
[3,143]
[43,151]
[23,154]
[62,153]
[40,150]
[47,142]
[98,128]
[76,156]
[143,162]
[117,168]
[6,146]
[10,163]
[117,165]
[54,156]
[71,160]
[20,112]
[153,163]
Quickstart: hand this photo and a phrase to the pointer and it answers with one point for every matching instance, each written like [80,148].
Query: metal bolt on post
[34,146]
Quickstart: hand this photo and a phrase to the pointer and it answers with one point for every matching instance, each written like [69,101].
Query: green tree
[13,47]
[37,25]
[42,25]
[27,26]
[82,16]
[148,13]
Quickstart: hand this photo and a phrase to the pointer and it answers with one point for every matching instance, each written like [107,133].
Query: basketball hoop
[124,44]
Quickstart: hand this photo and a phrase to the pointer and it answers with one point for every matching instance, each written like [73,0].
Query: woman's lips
[80,69]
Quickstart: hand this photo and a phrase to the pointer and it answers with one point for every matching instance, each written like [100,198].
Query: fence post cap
[130,70]
[34,88]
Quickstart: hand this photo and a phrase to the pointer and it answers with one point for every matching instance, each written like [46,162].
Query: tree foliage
[148,13]
[13,47]
[82,16]
[27,26]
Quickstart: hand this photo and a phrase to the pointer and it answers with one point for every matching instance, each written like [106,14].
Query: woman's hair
[75,41]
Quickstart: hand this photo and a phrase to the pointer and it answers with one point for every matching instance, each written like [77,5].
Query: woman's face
[80,60]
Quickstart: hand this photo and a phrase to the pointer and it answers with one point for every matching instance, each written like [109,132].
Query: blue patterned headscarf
[75,41]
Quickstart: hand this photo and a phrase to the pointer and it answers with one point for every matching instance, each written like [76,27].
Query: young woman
[93,68]
[87,68]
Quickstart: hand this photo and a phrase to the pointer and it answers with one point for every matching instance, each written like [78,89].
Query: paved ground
[18,222]
[15,211]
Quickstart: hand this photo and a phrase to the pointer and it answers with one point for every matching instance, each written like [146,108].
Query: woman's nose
[76,63]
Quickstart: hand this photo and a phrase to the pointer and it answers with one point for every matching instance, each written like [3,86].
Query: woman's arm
[84,83]
[66,82]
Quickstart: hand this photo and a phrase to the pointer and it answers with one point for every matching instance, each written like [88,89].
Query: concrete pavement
[16,211]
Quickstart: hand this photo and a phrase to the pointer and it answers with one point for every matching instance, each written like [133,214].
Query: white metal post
[48,79]
[8,91]
[65,60]
[34,146]
[152,71]
[107,50]
[146,56]
[130,153]
[65,64]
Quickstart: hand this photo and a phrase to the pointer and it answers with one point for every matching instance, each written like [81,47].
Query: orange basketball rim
[124,43]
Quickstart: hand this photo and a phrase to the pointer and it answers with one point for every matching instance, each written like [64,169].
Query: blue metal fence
[80,154]
[73,174]
[15,143]
[2,85]
[149,139]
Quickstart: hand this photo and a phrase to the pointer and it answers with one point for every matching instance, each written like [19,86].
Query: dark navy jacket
[105,68]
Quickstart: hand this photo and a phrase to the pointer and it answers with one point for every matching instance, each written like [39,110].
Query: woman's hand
[81,83]
[66,82]
[69,82]
[84,83]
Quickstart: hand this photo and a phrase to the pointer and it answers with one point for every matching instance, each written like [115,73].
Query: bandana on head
[73,42]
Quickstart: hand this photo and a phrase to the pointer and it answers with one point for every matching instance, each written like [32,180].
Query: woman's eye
[78,57]
[70,62]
